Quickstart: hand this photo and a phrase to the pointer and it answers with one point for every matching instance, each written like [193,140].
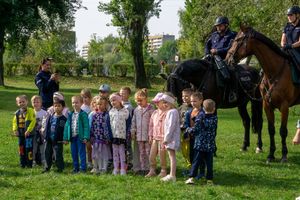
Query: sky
[90,21]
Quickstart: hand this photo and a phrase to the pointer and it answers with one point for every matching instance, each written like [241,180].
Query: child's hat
[59,96]
[168,99]
[104,88]
[157,97]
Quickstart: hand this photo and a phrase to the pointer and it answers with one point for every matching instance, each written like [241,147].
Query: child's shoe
[209,182]
[162,173]
[190,181]
[115,172]
[93,171]
[168,178]
[123,172]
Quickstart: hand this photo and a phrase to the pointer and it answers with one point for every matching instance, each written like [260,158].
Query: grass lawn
[238,175]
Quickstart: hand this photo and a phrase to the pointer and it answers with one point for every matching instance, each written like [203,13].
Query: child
[54,137]
[104,91]
[156,136]
[189,122]
[86,95]
[125,93]
[118,118]
[58,96]
[186,106]
[23,126]
[101,137]
[38,141]
[139,128]
[204,147]
[296,139]
[171,133]
[77,131]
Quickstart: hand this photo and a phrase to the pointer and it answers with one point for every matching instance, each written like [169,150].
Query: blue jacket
[219,42]
[46,87]
[205,132]
[59,129]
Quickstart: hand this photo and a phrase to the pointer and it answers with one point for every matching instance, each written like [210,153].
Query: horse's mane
[267,41]
[191,66]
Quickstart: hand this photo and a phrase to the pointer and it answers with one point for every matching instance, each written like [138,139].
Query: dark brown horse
[202,76]
[276,87]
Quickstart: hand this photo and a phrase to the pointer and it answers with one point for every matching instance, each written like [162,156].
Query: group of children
[106,130]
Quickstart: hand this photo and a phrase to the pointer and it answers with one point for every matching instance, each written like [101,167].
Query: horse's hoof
[243,149]
[284,160]
[270,160]
[258,150]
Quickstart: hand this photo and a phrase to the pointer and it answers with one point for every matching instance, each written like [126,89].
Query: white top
[172,129]
[118,122]
[86,108]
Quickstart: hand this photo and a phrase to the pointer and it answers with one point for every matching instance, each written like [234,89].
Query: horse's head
[175,85]
[241,46]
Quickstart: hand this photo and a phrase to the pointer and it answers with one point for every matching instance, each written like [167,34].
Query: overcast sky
[92,21]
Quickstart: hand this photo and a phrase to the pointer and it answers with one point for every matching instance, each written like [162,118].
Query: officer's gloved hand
[207,57]
[287,46]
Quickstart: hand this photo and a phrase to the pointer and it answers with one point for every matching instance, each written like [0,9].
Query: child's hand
[27,133]
[65,142]
[84,141]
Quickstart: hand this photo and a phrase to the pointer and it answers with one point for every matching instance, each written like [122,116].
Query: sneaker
[75,171]
[46,170]
[209,182]
[190,181]
[94,170]
[123,172]
[162,173]
[150,174]
[115,172]
[168,178]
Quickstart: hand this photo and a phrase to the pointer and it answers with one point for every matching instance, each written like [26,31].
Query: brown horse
[276,87]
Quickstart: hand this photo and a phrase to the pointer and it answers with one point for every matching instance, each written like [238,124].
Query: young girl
[58,96]
[171,133]
[101,137]
[86,95]
[118,121]
[156,136]
[139,128]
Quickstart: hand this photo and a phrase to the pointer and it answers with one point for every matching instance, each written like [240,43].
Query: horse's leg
[257,121]
[283,130]
[271,128]
[246,123]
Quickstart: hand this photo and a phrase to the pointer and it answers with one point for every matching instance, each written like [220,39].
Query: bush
[120,69]
[10,69]
[152,70]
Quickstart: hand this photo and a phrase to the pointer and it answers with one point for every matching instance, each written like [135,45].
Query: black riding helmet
[293,10]
[221,20]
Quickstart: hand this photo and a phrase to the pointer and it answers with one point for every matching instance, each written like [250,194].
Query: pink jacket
[140,122]
[156,125]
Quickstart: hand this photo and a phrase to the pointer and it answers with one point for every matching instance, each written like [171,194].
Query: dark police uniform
[292,34]
[219,42]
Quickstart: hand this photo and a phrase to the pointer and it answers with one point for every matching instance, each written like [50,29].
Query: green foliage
[152,70]
[167,51]
[198,17]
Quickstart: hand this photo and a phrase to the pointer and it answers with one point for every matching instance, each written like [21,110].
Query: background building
[156,41]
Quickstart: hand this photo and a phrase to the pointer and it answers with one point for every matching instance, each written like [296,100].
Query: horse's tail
[257,112]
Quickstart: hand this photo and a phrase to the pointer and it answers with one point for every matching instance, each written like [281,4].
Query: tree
[198,17]
[167,51]
[19,19]
[131,16]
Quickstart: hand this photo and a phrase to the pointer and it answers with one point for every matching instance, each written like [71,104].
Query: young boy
[23,126]
[104,91]
[185,144]
[38,140]
[54,137]
[204,147]
[77,131]
[125,93]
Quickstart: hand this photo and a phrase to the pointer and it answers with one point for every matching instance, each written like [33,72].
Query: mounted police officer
[290,41]
[218,44]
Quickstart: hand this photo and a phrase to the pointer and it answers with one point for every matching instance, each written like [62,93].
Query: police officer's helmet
[221,20]
[293,10]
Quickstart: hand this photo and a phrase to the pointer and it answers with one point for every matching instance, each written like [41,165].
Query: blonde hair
[209,105]
[34,97]
[101,99]
[86,92]
[78,98]
[23,96]
[141,93]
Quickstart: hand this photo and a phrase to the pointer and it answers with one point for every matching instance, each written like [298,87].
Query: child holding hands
[77,131]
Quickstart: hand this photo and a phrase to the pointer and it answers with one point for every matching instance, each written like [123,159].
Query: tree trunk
[1,57]
[141,80]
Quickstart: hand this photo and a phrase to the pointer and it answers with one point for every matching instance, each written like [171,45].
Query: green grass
[238,175]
